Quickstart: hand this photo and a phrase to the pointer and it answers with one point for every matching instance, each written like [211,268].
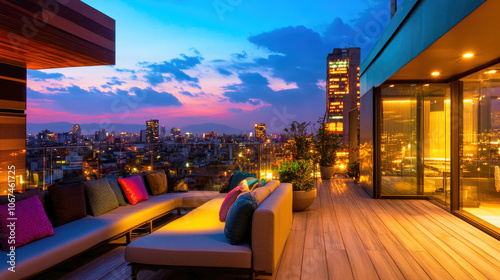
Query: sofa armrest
[271,225]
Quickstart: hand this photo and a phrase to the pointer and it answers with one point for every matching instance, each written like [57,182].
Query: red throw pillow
[228,202]
[24,223]
[134,189]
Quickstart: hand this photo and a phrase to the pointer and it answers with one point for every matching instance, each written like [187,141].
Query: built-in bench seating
[81,235]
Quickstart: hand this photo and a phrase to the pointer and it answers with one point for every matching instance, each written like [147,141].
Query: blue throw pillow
[239,176]
[113,183]
[239,218]
[100,197]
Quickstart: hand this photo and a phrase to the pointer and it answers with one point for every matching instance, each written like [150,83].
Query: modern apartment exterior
[152,131]
[430,109]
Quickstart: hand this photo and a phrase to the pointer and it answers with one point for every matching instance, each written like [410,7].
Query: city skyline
[239,79]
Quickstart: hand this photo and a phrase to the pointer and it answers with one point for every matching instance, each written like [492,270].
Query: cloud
[165,71]
[93,101]
[187,93]
[115,81]
[37,75]
[224,72]
[240,56]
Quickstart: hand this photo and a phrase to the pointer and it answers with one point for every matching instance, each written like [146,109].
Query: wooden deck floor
[346,235]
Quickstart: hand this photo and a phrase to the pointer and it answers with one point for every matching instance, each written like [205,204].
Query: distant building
[163,133]
[260,131]
[342,89]
[143,136]
[152,131]
[100,136]
[175,132]
[77,130]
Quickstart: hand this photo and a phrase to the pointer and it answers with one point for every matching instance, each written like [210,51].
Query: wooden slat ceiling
[62,33]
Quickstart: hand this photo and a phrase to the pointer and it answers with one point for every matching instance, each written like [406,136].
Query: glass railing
[204,166]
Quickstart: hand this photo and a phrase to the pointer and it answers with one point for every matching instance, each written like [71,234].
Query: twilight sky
[232,62]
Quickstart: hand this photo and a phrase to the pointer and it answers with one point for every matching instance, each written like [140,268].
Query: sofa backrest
[271,225]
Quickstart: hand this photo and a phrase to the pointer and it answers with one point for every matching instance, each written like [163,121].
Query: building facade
[152,131]
[342,89]
[260,131]
[430,109]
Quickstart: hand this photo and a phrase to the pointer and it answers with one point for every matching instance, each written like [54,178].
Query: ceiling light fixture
[468,55]
[435,74]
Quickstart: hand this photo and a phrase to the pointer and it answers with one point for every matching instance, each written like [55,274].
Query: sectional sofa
[197,240]
[84,234]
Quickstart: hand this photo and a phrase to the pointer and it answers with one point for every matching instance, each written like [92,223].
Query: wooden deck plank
[338,265]
[481,243]
[290,266]
[446,261]
[314,264]
[440,238]
[408,266]
[361,264]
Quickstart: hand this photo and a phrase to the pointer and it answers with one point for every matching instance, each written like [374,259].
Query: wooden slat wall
[55,35]
[12,87]
[12,122]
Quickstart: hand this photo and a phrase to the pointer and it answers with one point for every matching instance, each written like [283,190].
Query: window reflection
[480,161]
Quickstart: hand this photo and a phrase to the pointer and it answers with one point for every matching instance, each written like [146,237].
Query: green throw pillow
[239,218]
[239,176]
[100,197]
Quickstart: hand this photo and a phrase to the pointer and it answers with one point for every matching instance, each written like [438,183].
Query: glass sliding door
[480,149]
[398,149]
[436,144]
[415,140]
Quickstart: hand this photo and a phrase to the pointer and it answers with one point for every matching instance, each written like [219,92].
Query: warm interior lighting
[491,72]
[391,86]
[435,74]
[468,55]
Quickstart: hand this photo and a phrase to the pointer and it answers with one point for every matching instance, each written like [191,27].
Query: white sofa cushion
[197,239]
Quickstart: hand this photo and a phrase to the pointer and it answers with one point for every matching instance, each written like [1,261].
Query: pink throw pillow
[31,223]
[134,189]
[228,202]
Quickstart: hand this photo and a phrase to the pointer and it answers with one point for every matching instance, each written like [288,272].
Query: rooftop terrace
[345,235]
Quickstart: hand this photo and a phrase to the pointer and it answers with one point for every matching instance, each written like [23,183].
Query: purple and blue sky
[232,62]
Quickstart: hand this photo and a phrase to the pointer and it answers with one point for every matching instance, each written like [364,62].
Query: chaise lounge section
[197,240]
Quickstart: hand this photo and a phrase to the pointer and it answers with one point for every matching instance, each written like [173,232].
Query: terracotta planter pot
[302,199]
[327,172]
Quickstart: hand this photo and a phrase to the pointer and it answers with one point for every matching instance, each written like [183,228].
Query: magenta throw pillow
[27,224]
[229,201]
[134,189]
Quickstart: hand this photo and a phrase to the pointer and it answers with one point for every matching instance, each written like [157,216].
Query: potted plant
[353,171]
[327,144]
[300,168]
[300,173]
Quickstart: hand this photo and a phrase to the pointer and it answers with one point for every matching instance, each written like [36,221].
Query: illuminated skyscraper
[342,89]
[152,131]
[77,130]
[175,132]
[260,131]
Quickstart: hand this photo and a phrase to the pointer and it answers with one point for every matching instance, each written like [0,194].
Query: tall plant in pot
[327,144]
[300,167]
